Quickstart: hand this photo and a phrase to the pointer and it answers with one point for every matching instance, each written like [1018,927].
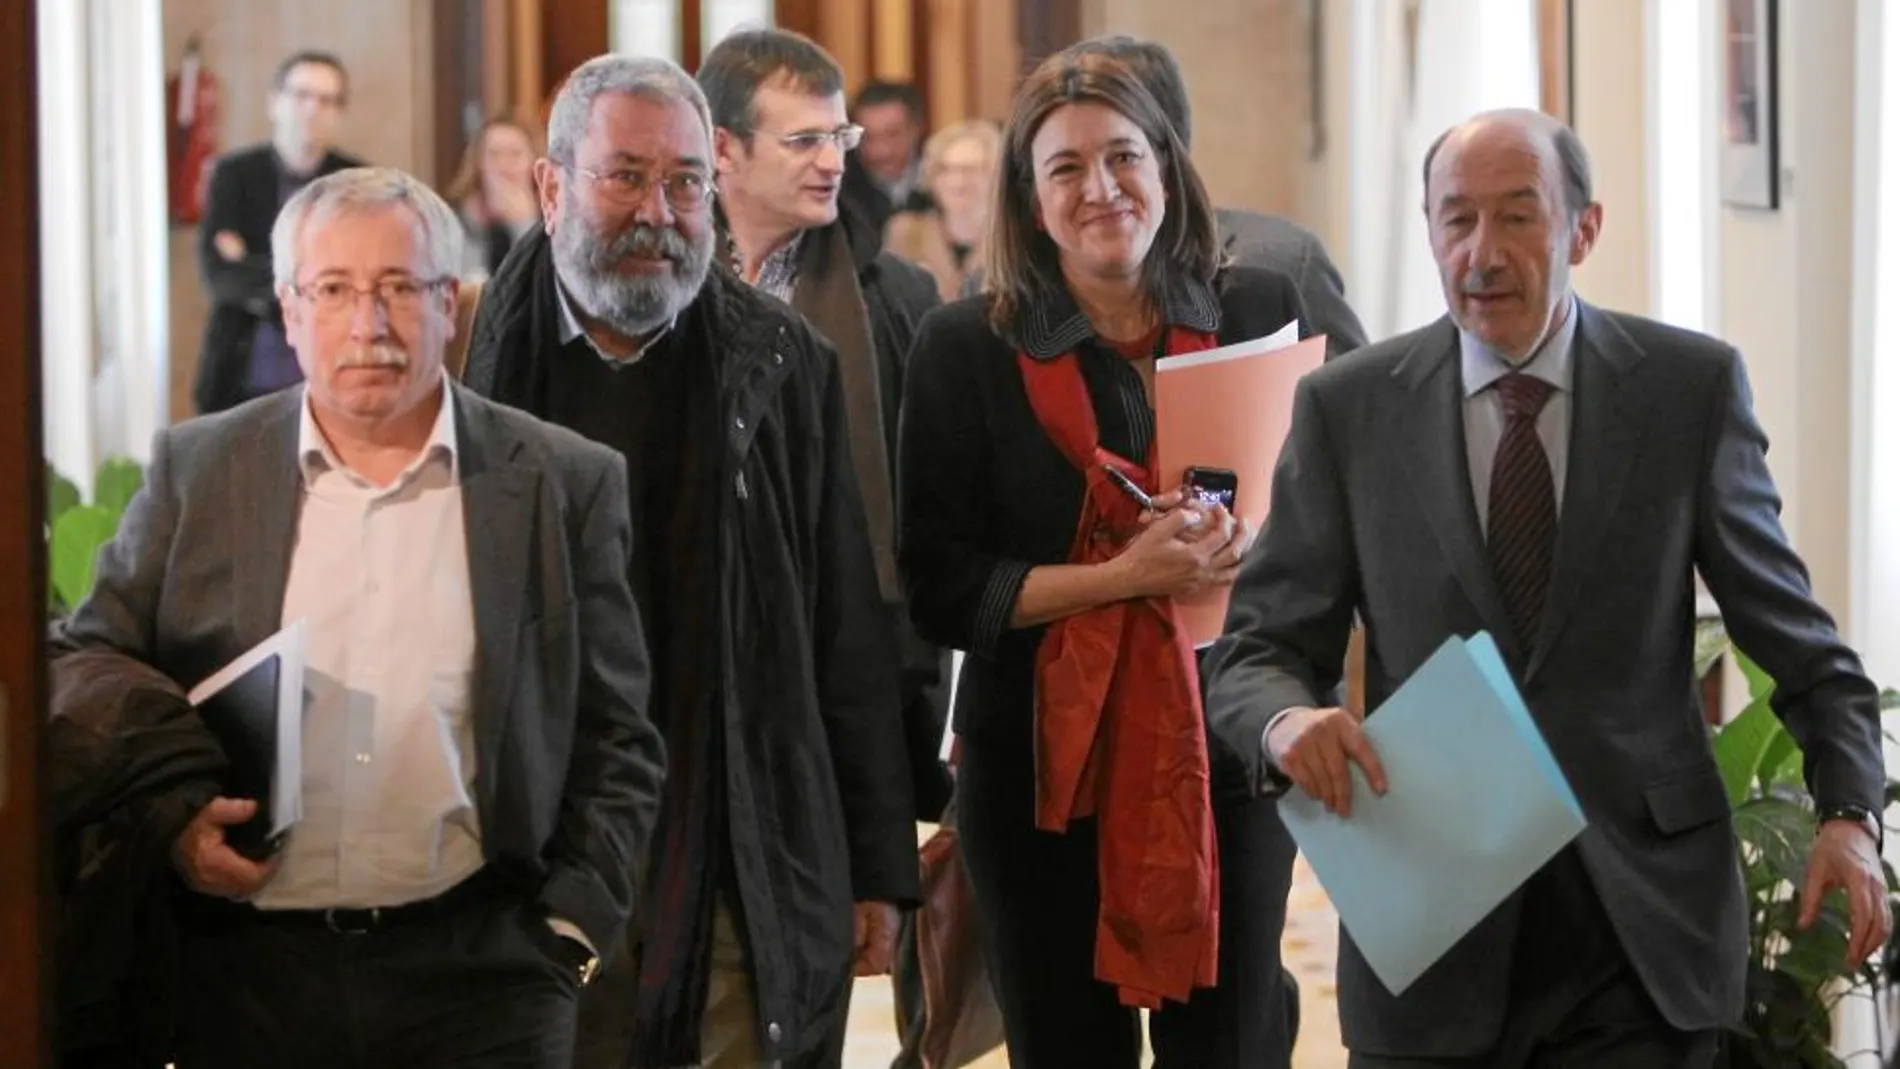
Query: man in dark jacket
[780,137]
[1252,238]
[785,830]
[245,352]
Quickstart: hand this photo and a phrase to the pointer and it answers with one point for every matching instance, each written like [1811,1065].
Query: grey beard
[633,305]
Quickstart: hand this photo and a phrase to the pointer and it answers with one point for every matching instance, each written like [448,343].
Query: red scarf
[1119,733]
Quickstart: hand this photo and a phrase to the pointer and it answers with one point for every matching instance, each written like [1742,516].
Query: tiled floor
[1311,942]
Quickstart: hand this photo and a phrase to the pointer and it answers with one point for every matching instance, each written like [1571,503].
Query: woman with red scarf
[1118,859]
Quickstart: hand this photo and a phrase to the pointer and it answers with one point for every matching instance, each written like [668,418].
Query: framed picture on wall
[1750,150]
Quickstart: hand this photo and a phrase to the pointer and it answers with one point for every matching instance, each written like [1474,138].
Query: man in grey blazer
[1252,239]
[1554,474]
[479,777]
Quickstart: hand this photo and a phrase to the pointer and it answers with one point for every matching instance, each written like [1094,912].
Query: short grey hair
[362,190]
[643,76]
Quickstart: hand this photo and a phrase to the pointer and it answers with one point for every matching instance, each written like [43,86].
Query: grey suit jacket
[1256,240]
[568,766]
[1372,514]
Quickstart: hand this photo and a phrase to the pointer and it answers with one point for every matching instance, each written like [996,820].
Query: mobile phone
[1214,486]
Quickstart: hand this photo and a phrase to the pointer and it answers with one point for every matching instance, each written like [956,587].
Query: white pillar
[66,325]
[130,228]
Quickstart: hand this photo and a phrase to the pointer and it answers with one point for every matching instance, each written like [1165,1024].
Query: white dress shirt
[381,574]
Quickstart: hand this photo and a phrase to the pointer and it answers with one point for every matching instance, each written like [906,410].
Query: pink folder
[1229,408]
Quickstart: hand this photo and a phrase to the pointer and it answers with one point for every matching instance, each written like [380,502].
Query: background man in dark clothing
[885,174]
[245,354]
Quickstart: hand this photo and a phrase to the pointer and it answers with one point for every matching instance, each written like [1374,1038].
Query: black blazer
[984,496]
[1373,515]
[243,200]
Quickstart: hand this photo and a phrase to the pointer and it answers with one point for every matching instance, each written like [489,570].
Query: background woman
[493,191]
[959,170]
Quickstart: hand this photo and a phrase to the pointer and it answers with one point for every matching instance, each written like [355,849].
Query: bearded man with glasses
[788,798]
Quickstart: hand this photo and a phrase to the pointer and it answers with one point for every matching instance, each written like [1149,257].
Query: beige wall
[386,44]
[1609,114]
[1247,65]
[1787,294]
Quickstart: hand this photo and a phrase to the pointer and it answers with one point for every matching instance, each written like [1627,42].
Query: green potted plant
[1795,977]
[75,530]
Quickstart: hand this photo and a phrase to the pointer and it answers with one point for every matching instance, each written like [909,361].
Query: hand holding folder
[1475,805]
[254,705]
[1229,408]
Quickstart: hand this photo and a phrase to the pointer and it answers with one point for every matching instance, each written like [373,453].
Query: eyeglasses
[400,295]
[806,142]
[685,191]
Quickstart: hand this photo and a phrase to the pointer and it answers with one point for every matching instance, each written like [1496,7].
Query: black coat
[818,790]
[128,765]
[242,199]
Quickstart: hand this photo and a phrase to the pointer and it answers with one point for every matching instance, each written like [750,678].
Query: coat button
[773,1031]
[739,423]
[778,358]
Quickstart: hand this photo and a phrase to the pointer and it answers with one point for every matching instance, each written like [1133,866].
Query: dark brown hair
[1023,266]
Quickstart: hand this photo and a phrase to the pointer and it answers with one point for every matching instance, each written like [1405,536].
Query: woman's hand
[1183,549]
[512,203]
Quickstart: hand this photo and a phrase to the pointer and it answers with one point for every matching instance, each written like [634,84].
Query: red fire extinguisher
[191,134]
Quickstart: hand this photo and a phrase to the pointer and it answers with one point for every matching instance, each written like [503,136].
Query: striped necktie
[1522,527]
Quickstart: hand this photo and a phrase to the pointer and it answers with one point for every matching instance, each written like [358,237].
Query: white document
[278,664]
[1477,805]
[949,740]
[1284,338]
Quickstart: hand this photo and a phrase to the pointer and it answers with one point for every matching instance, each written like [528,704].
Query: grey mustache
[647,241]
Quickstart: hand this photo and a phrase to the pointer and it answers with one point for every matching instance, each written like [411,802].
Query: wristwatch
[1857,813]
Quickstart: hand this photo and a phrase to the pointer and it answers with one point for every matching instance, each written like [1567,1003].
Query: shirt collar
[315,457]
[1484,366]
[1048,328]
[571,329]
[778,275]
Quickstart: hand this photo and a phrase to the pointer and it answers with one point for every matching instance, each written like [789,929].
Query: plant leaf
[75,546]
[61,494]
[1711,642]
[1759,685]
[118,479]
[1739,746]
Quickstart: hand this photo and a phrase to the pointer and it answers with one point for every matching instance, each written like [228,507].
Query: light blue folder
[1475,805]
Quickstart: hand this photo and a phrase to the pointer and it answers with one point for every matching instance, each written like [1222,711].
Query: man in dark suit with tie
[1554,474]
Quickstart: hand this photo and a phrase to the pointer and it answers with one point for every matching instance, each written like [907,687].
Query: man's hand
[1847,856]
[1312,747]
[874,926]
[229,245]
[208,863]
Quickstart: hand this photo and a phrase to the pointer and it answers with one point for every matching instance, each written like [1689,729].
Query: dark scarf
[829,297]
[675,576]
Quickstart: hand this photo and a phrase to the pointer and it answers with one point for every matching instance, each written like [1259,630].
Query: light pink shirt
[381,574]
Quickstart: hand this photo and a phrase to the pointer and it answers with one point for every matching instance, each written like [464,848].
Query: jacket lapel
[498,517]
[265,499]
[1604,435]
[1432,450]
